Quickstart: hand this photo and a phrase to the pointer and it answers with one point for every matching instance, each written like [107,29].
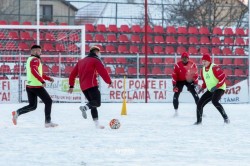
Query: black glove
[213,89]
[200,90]
[175,89]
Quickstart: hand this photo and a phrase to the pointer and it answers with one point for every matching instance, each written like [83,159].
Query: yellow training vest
[31,79]
[210,80]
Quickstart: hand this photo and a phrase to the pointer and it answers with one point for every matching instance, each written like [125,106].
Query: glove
[175,89]
[213,89]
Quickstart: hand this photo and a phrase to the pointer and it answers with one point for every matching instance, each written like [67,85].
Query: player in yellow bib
[213,79]
[35,87]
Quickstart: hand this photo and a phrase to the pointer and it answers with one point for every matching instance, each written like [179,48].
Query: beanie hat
[184,54]
[206,57]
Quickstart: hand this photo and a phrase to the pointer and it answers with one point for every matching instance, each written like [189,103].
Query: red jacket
[34,63]
[182,72]
[218,73]
[87,70]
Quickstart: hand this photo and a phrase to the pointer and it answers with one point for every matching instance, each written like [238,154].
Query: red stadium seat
[50,36]
[169,61]
[48,47]
[240,51]
[74,37]
[149,38]
[52,23]
[193,30]
[123,39]
[217,61]
[158,50]
[63,23]
[149,29]
[216,51]
[227,51]
[110,49]
[46,69]
[193,50]
[27,23]
[99,38]
[157,61]
[216,41]
[240,41]
[239,62]
[112,28]
[121,60]
[120,71]
[228,72]
[10,46]
[18,68]
[23,46]
[148,49]
[108,60]
[68,70]
[143,71]
[159,39]
[240,32]
[101,28]
[228,41]
[133,49]
[89,28]
[170,40]
[204,31]
[158,29]
[3,22]
[168,71]
[24,35]
[14,23]
[228,31]
[143,61]
[182,30]
[72,48]
[41,36]
[13,35]
[124,29]
[171,30]
[111,38]
[55,69]
[87,48]
[239,72]
[217,31]
[156,71]
[169,50]
[228,82]
[182,40]
[88,37]
[2,35]
[62,36]
[108,70]
[122,49]
[227,61]
[135,38]
[136,29]
[204,50]
[193,40]
[60,48]
[204,40]
[132,71]
[5,69]
[181,49]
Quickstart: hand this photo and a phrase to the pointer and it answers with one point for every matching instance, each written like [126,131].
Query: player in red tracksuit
[185,73]
[213,79]
[87,70]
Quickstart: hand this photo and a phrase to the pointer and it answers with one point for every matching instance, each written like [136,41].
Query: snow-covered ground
[149,136]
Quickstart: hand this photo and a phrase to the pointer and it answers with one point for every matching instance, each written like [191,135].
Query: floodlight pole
[146,51]
[37,21]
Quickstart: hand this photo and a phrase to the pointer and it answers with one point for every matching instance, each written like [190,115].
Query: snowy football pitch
[149,136]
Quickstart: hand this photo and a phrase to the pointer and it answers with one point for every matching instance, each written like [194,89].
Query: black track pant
[214,97]
[33,93]
[190,88]
[94,97]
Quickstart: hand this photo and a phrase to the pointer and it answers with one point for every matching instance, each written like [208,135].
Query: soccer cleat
[14,117]
[227,121]
[197,123]
[84,109]
[51,124]
[97,125]
[176,113]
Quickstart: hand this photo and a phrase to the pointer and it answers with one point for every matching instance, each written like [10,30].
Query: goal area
[62,46]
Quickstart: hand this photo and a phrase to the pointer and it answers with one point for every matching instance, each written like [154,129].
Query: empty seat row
[168,30]
[168,50]
[112,38]
[5,22]
[48,36]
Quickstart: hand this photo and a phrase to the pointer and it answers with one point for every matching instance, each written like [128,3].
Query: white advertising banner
[9,91]
[159,91]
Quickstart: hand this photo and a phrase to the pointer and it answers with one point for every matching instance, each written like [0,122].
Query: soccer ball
[114,124]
